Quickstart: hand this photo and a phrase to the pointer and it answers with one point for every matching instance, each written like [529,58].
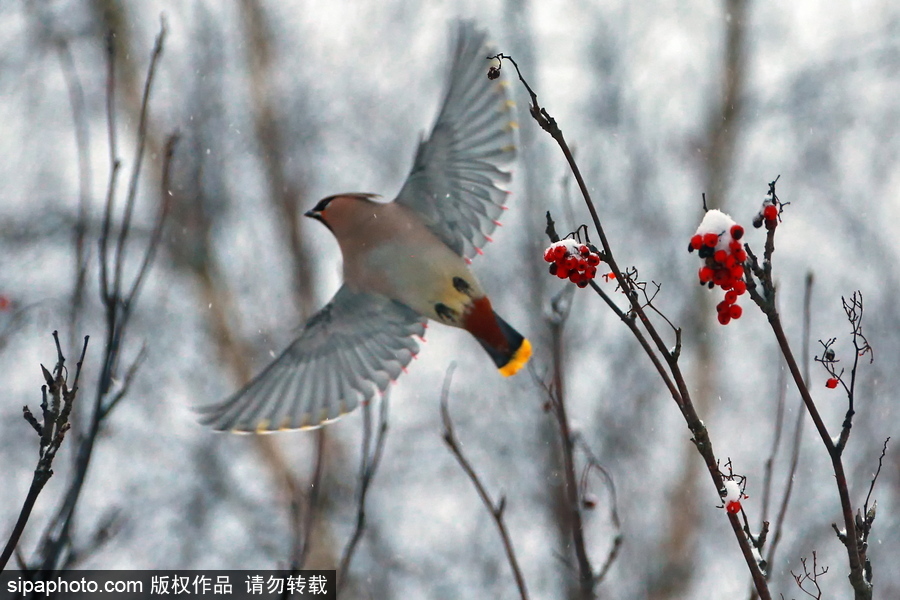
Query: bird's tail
[511,355]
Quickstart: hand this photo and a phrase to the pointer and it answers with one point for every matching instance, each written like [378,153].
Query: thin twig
[618,538]
[114,164]
[811,577]
[369,461]
[798,430]
[131,197]
[51,431]
[496,509]
[557,399]
[303,537]
[81,128]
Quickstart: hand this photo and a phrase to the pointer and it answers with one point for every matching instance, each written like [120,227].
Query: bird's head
[340,211]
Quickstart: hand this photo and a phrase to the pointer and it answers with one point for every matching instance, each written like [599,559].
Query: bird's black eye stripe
[323,203]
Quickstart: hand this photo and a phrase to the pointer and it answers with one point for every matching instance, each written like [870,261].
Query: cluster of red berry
[572,260]
[717,241]
[768,214]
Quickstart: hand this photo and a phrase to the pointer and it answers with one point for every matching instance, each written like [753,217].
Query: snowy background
[292,101]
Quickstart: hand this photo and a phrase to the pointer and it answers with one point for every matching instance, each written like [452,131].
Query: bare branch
[55,546]
[808,580]
[369,461]
[658,351]
[131,197]
[52,432]
[496,509]
[858,563]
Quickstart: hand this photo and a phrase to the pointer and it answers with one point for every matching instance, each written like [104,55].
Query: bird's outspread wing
[356,345]
[453,183]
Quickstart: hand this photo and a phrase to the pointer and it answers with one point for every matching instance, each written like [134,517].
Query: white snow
[719,223]
[732,491]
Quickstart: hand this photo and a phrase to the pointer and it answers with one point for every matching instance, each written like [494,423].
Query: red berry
[739,287]
[735,311]
[770,212]
[560,251]
[740,255]
[734,245]
[831,383]
[575,277]
[719,256]
[737,232]
[710,240]
[729,260]
[771,224]
[591,272]
[593,259]
[724,317]
[737,271]
[571,262]
[697,242]
[562,272]
[733,507]
[731,296]
[582,264]
[584,250]
[550,254]
[720,276]
[706,274]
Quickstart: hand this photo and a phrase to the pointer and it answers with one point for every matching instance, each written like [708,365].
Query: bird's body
[405,261]
[395,251]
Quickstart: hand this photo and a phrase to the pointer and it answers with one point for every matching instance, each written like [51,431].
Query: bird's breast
[429,278]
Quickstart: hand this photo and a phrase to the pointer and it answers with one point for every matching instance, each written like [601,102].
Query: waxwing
[405,262]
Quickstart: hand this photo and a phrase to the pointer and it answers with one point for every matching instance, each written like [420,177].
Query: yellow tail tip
[518,360]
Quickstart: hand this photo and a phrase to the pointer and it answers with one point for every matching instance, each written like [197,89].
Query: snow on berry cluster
[733,496]
[768,214]
[717,241]
[572,260]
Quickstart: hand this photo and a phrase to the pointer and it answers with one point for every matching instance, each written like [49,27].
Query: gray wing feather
[349,351]
[454,180]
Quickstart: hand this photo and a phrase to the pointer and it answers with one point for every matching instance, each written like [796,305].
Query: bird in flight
[404,262]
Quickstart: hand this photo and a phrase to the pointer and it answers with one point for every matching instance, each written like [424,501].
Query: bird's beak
[317,215]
